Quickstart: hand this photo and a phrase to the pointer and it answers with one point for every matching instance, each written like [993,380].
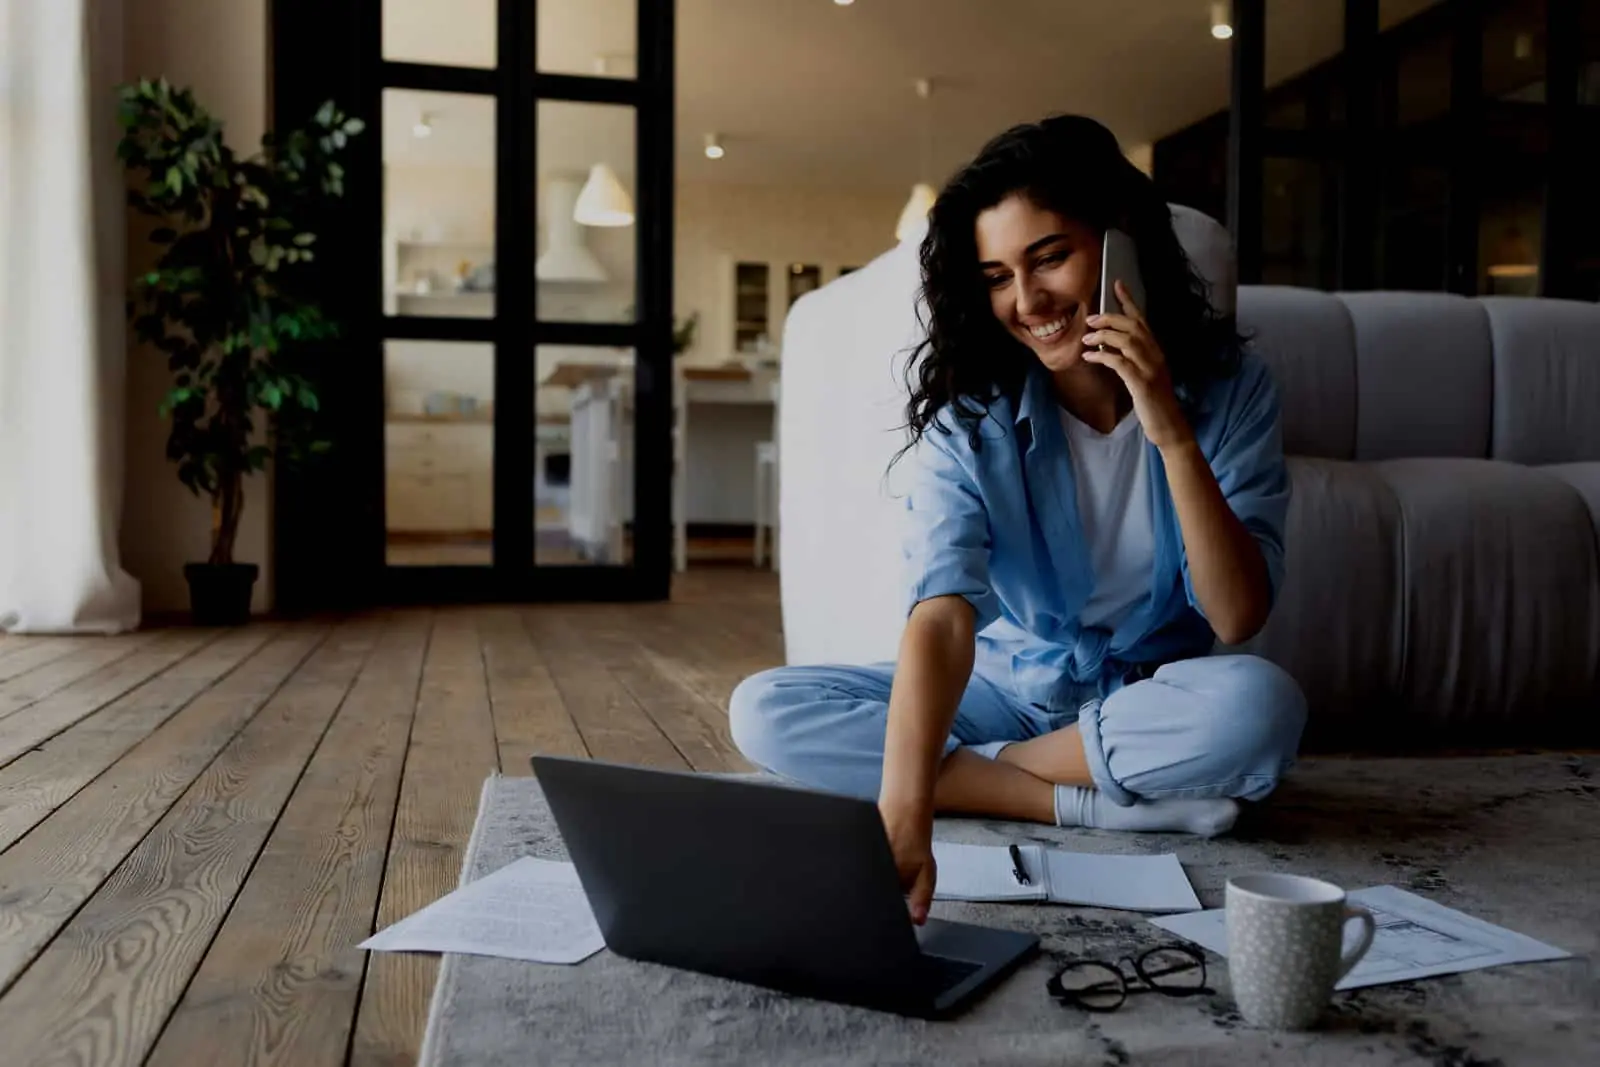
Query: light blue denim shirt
[999,526]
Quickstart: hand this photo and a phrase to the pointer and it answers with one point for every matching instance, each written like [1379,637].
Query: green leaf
[174,180]
[325,114]
[354,126]
[304,239]
[271,396]
[176,398]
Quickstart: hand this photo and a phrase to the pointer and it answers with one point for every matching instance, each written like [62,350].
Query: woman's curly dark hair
[1073,166]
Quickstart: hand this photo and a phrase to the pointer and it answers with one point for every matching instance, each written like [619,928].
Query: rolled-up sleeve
[1250,470]
[946,539]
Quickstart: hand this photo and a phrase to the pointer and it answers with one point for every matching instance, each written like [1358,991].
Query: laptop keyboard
[946,973]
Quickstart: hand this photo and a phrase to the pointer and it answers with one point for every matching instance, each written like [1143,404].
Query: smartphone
[1119,261]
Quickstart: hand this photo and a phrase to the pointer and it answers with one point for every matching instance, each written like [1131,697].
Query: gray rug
[1513,840]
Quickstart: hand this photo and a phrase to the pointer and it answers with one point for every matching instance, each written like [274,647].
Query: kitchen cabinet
[753,300]
[439,475]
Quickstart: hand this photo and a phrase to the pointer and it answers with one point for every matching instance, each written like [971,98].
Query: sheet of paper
[1416,939]
[983,872]
[530,909]
[1133,883]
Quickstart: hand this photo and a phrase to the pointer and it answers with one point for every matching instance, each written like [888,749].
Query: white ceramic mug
[1285,933]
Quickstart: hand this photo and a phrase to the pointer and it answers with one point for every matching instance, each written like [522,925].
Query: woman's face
[1042,270]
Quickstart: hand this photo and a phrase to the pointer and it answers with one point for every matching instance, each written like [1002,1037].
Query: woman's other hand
[910,830]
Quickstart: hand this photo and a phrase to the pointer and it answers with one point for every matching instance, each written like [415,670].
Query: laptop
[764,883]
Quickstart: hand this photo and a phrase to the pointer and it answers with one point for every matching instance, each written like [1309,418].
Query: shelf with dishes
[448,276]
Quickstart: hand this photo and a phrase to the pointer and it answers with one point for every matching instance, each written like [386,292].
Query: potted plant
[225,298]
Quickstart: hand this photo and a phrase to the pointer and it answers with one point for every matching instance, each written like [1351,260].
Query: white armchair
[844,352]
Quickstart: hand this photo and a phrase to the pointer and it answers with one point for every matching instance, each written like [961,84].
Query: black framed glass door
[509,382]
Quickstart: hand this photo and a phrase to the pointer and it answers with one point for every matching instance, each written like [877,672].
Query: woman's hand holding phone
[1131,350]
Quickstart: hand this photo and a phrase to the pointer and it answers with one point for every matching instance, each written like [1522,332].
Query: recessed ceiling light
[713,147]
[1221,28]
[844,3]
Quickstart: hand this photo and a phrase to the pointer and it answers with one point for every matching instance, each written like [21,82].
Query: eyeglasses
[1093,985]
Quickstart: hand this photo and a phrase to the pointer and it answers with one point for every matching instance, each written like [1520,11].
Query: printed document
[530,909]
[1416,938]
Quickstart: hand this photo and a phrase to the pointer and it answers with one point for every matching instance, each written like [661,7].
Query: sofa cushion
[1585,481]
[1307,340]
[1423,375]
[1546,379]
[1337,623]
[1502,598]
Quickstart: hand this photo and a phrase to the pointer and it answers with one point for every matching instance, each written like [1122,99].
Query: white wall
[220,50]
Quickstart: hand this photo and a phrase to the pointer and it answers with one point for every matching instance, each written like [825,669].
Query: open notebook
[1133,883]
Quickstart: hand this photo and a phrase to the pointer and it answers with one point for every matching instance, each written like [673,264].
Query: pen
[1017,870]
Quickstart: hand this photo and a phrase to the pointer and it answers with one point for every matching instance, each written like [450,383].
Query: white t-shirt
[1113,481]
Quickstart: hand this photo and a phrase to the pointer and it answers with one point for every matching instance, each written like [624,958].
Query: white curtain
[62,347]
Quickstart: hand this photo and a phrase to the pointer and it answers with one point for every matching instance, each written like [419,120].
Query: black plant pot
[219,593]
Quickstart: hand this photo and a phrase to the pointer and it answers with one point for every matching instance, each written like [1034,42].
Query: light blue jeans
[1216,726]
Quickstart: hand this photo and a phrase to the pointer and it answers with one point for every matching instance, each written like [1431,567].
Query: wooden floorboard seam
[27,728]
[388,847]
[98,659]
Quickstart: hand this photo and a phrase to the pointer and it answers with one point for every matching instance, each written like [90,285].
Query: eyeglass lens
[1095,986]
[1172,970]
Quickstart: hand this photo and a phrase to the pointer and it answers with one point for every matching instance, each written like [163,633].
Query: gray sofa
[1442,584]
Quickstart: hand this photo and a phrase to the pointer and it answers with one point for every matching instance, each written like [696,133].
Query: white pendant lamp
[603,201]
[1221,21]
[914,216]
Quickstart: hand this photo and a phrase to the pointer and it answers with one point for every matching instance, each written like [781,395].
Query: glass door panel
[584,456]
[438,204]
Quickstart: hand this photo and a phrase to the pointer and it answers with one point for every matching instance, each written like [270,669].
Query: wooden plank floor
[198,826]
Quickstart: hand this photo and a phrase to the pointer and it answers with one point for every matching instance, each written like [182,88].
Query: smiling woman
[1030,211]
[1096,499]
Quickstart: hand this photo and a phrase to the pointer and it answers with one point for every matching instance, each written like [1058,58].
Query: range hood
[566,258]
